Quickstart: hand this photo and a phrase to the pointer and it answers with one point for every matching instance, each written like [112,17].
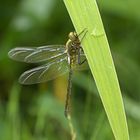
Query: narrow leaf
[85,14]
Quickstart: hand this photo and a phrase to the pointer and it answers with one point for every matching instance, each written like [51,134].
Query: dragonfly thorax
[73,47]
[73,43]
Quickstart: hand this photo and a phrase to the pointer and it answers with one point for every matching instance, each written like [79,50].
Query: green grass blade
[85,14]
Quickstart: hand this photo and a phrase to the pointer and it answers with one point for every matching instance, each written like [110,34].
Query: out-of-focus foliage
[36,111]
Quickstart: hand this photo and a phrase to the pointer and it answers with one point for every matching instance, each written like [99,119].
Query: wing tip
[22,82]
[10,53]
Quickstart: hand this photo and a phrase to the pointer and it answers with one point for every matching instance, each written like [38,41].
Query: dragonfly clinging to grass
[59,60]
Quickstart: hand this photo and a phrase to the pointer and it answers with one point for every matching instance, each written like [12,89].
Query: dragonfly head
[73,36]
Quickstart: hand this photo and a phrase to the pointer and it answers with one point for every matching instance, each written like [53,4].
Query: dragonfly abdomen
[73,61]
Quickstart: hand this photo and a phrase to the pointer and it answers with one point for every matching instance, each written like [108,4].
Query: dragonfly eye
[72,36]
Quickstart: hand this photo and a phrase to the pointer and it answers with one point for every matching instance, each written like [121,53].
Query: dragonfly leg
[81,62]
[83,31]
[79,57]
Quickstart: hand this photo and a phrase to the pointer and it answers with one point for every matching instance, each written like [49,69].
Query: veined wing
[45,72]
[37,54]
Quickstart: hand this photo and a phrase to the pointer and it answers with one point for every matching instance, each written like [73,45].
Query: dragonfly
[59,59]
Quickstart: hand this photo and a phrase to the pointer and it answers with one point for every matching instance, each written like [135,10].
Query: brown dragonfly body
[73,47]
[59,60]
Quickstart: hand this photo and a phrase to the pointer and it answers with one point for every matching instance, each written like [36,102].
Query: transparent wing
[38,54]
[45,72]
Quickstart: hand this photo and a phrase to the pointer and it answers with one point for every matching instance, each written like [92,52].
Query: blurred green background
[35,112]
